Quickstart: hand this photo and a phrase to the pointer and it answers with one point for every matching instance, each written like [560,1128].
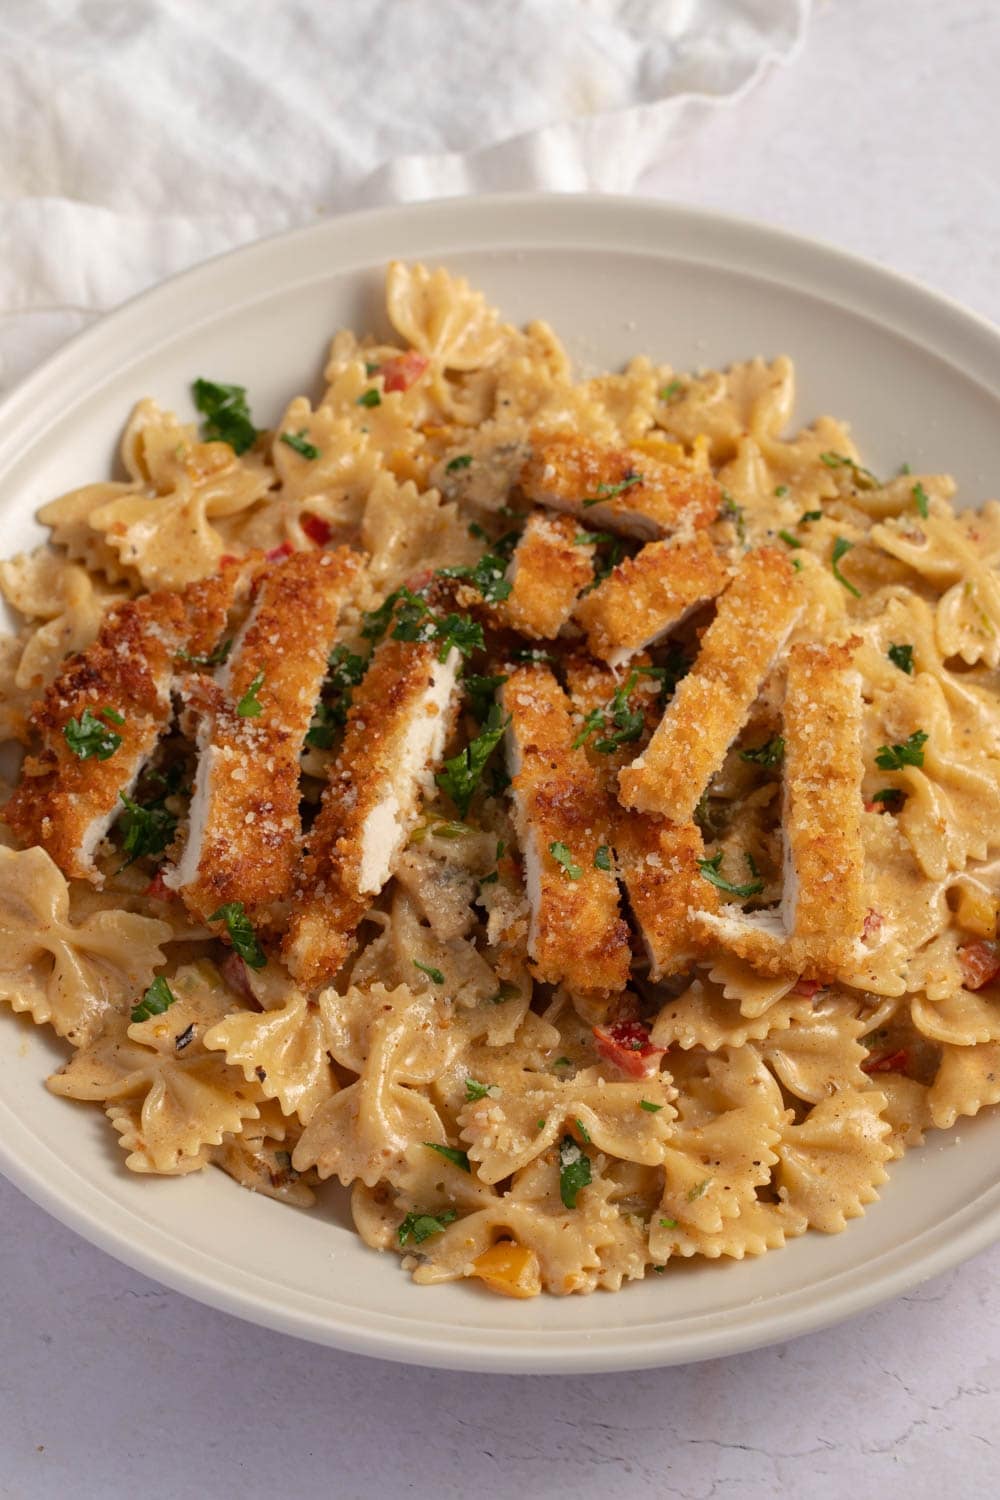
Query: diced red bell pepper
[419,580]
[403,370]
[316,529]
[278,554]
[627,1045]
[156,890]
[808,987]
[980,963]
[889,1062]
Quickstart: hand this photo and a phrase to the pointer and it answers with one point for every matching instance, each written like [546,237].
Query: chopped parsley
[627,722]
[345,670]
[241,933]
[592,538]
[414,621]
[434,975]
[452,1154]
[892,797]
[419,1226]
[788,539]
[840,549]
[369,398]
[780,491]
[227,416]
[670,391]
[462,774]
[563,1062]
[574,1171]
[901,657]
[506,992]
[909,753]
[158,998]
[300,443]
[668,1223]
[584,1132]
[248,706]
[768,754]
[711,870]
[475,1090]
[213,659]
[699,1190]
[921,500]
[461,462]
[863,478]
[481,692]
[479,532]
[487,576]
[650,1107]
[87,736]
[730,511]
[809,515]
[609,491]
[602,858]
[563,856]
[148,827]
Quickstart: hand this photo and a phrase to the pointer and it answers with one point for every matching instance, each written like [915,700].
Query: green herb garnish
[148,827]
[434,975]
[475,1090]
[213,659]
[730,511]
[863,478]
[574,1170]
[584,1132]
[241,933]
[921,500]
[699,1190]
[158,998]
[840,548]
[487,576]
[481,692]
[419,1226]
[461,462]
[909,753]
[452,1154]
[711,870]
[670,391]
[609,491]
[768,754]
[892,797]
[810,515]
[628,722]
[461,774]
[901,657]
[562,856]
[369,398]
[248,706]
[226,414]
[300,443]
[87,736]
[602,858]
[780,491]
[650,1107]
[788,539]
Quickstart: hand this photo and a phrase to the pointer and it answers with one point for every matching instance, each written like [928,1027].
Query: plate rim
[946,328]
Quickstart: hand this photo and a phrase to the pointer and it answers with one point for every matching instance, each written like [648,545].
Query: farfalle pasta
[563,813]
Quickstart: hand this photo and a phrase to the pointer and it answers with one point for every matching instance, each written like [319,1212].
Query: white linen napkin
[141,136]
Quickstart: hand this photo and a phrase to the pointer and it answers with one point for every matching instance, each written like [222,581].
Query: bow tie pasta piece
[968,1080]
[407,531]
[528,1113]
[703,1016]
[442,317]
[756,993]
[169,1098]
[71,975]
[907,1110]
[283,1049]
[820,1053]
[759,1226]
[259,1158]
[833,1162]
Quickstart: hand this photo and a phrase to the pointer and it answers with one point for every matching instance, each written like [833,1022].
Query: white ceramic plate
[920,380]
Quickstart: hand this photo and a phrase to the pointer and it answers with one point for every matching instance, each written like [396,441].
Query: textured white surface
[884,138]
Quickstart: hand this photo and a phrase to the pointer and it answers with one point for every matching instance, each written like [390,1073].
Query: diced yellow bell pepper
[510,1269]
[977,910]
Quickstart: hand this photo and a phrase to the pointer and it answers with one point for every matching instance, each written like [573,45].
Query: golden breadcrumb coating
[646,596]
[616,489]
[577,934]
[396,731]
[755,616]
[66,803]
[244,828]
[658,861]
[548,572]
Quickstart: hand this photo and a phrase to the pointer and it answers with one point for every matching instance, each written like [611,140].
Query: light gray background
[884,138]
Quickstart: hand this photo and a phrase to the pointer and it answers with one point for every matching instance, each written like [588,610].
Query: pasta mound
[563,812]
